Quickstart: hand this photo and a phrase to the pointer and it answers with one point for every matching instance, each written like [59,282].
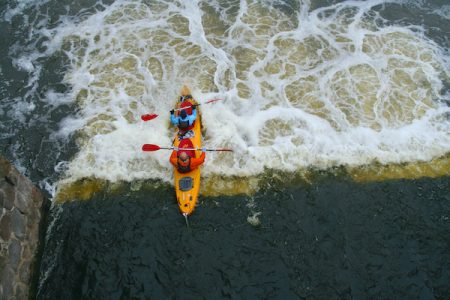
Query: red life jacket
[188,105]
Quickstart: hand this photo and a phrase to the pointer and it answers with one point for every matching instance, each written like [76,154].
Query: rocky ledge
[22,207]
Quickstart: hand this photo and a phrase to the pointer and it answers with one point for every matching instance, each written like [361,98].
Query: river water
[337,111]
[334,239]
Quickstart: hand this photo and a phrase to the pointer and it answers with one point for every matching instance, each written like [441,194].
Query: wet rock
[5,227]
[22,203]
[11,179]
[24,271]
[27,254]
[9,195]
[3,252]
[21,291]
[5,167]
[23,186]
[20,225]
[37,198]
[14,251]
[7,283]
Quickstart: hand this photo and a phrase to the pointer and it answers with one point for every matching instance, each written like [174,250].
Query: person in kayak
[185,119]
[185,160]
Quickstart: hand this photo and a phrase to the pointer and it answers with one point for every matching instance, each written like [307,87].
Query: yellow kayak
[187,185]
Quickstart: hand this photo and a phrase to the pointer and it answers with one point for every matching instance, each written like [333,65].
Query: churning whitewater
[302,86]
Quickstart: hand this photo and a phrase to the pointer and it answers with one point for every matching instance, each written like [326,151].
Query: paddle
[149,117]
[151,147]
[209,101]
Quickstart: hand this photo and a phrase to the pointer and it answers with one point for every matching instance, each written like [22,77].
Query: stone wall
[21,208]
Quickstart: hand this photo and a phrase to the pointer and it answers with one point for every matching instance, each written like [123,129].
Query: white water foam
[312,88]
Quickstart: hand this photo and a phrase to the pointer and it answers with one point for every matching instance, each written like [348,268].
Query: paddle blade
[148,117]
[150,147]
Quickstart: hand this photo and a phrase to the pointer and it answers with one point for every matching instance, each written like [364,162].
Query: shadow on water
[331,239]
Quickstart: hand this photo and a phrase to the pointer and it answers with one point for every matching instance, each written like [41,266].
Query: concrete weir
[22,207]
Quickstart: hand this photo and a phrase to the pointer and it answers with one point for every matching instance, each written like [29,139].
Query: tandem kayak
[187,143]
[187,185]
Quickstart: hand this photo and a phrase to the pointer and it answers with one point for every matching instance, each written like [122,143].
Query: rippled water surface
[333,239]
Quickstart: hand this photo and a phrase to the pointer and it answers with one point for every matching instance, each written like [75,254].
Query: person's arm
[174,159]
[173,119]
[195,162]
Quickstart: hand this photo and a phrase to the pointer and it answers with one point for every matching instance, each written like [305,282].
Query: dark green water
[334,239]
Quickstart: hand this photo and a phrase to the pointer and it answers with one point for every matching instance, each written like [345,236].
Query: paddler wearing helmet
[187,114]
[185,160]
